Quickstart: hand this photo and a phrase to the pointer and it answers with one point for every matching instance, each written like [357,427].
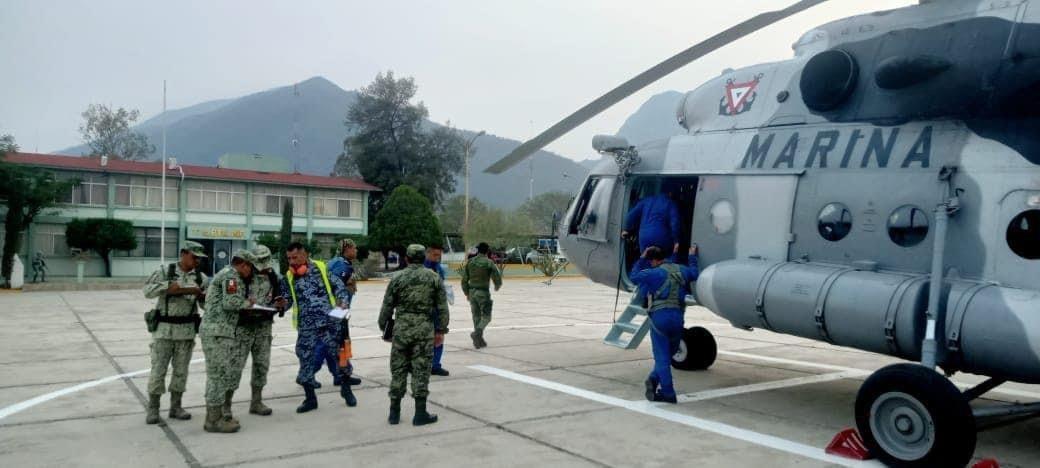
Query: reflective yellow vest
[292,290]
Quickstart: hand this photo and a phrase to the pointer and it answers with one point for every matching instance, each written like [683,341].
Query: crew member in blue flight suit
[665,285]
[433,262]
[313,293]
[342,266]
[656,219]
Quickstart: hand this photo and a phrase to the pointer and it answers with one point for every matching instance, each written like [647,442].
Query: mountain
[315,111]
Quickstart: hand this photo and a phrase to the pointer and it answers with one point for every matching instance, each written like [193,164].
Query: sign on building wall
[216,232]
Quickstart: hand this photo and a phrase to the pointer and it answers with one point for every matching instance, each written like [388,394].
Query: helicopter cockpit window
[908,226]
[593,209]
[834,222]
[1023,235]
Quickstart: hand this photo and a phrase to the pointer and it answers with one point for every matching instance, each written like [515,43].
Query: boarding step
[627,332]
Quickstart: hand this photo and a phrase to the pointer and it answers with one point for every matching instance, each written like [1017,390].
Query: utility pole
[162,168]
[465,216]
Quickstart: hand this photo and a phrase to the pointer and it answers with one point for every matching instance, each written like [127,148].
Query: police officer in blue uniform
[665,286]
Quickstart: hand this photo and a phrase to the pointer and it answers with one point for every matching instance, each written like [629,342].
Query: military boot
[226,409]
[257,406]
[476,340]
[347,394]
[310,402]
[215,421]
[479,339]
[422,418]
[176,410]
[395,411]
[151,415]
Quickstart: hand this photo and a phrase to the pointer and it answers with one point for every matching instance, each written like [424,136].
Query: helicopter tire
[697,350]
[911,416]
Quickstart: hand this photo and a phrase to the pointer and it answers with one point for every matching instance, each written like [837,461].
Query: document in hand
[261,308]
[339,313]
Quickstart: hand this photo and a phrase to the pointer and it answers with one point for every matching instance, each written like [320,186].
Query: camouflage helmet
[263,257]
[194,248]
[416,253]
[245,255]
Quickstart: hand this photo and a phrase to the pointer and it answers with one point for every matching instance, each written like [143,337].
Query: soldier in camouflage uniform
[313,293]
[413,294]
[179,290]
[232,289]
[477,275]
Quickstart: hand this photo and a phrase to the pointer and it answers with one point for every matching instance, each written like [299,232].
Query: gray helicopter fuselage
[818,218]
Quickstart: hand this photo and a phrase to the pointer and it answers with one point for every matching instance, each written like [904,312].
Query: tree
[26,191]
[102,235]
[453,213]
[406,218]
[389,147]
[541,208]
[499,228]
[107,132]
[285,235]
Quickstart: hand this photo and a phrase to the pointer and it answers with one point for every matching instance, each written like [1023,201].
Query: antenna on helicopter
[644,79]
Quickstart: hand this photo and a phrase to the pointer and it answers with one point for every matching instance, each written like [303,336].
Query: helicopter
[879,190]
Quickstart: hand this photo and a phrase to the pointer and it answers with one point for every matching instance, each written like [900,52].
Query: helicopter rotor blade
[644,79]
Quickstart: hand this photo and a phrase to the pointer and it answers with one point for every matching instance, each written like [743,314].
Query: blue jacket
[314,300]
[343,269]
[650,279]
[436,266]
[657,219]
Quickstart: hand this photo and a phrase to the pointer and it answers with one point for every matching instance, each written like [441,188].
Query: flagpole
[162,196]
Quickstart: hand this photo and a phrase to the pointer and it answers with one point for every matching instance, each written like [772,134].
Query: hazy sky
[511,68]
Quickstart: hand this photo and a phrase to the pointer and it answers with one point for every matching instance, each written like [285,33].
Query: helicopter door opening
[683,191]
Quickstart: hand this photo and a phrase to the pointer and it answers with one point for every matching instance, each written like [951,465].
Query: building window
[216,196]
[270,200]
[149,241]
[908,226]
[144,192]
[50,239]
[723,216]
[337,204]
[834,222]
[1023,235]
[92,189]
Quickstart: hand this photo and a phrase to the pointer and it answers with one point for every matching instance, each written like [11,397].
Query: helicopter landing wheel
[697,350]
[911,416]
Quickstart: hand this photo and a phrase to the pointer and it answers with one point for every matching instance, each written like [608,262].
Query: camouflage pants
[411,352]
[163,353]
[480,305]
[223,367]
[255,342]
[309,344]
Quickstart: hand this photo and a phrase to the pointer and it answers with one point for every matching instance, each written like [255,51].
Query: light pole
[465,215]
[162,167]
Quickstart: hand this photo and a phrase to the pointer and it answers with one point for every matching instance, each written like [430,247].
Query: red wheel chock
[849,444]
[986,463]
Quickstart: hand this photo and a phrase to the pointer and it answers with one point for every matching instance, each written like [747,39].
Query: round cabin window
[1023,234]
[834,222]
[722,216]
[908,226]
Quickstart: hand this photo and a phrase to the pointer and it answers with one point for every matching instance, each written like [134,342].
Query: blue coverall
[318,335]
[667,329]
[438,351]
[343,269]
[657,219]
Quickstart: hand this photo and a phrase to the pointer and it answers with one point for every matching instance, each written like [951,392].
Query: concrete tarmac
[73,370]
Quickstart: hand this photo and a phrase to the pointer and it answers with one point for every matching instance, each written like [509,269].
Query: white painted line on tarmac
[765,386]
[794,362]
[24,405]
[655,410]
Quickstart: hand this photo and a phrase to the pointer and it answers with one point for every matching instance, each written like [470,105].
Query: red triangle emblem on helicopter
[739,97]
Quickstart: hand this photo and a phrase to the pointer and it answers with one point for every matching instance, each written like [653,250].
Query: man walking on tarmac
[233,290]
[342,266]
[433,262]
[665,285]
[477,275]
[413,294]
[179,290]
[313,294]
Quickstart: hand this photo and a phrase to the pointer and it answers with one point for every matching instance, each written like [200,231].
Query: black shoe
[310,403]
[476,341]
[395,412]
[440,371]
[665,398]
[348,395]
[353,381]
[422,418]
[651,388]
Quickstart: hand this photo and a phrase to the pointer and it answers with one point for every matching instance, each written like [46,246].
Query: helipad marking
[651,409]
[24,405]
[773,385]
